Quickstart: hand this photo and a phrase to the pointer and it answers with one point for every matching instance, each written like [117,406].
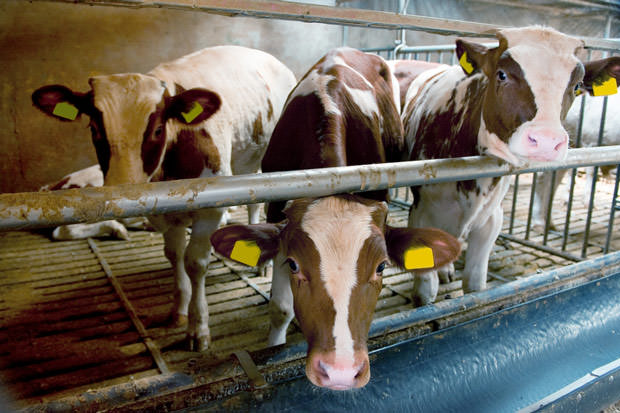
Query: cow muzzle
[342,373]
[544,143]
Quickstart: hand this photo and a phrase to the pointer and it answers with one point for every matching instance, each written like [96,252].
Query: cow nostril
[532,141]
[360,371]
[322,370]
[558,146]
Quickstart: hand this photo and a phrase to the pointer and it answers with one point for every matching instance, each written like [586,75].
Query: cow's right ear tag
[193,112]
[65,110]
[605,86]
[466,64]
[246,252]
[417,258]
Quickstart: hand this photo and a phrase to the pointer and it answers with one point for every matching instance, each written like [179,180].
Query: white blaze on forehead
[547,59]
[339,229]
[126,102]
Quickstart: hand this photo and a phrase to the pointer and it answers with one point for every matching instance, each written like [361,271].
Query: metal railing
[446,54]
[41,209]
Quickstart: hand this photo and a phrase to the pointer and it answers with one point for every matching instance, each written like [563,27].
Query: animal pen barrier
[446,54]
[445,348]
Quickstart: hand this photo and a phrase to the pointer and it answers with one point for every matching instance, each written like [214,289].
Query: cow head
[129,117]
[337,248]
[532,77]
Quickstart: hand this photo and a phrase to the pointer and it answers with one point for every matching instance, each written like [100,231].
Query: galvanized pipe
[41,209]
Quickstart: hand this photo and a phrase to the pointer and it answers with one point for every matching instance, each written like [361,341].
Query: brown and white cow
[406,71]
[206,114]
[507,102]
[329,253]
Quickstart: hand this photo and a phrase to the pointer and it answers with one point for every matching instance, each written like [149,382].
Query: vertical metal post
[529,212]
[614,205]
[573,179]
[513,209]
[601,133]
[549,206]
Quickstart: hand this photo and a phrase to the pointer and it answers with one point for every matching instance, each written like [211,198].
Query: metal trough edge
[146,393]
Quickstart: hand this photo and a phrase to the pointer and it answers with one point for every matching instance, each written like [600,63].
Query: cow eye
[501,75]
[293,266]
[381,267]
[578,88]
[158,131]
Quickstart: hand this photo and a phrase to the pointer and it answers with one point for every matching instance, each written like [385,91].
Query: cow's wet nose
[546,144]
[340,375]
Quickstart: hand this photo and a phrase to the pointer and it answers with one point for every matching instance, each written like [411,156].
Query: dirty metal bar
[148,342]
[327,15]
[41,209]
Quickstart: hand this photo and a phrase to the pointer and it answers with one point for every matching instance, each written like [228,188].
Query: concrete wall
[46,43]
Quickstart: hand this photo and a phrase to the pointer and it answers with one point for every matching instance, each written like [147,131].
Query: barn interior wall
[59,43]
[55,43]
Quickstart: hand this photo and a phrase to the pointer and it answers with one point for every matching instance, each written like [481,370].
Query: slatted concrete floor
[65,330]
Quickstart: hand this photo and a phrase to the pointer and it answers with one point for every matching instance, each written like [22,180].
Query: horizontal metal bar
[328,15]
[41,209]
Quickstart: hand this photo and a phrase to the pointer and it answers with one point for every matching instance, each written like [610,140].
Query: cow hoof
[178,320]
[198,344]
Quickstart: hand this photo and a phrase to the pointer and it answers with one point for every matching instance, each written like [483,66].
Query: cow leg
[197,256]
[425,287]
[174,249]
[253,213]
[446,273]
[281,301]
[480,244]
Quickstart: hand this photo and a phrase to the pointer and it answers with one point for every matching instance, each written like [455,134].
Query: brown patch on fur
[192,153]
[257,129]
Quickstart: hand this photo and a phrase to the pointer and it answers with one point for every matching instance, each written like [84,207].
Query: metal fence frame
[446,54]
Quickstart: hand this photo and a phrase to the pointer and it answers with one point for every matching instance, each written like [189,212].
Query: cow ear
[248,244]
[60,102]
[421,248]
[601,76]
[471,55]
[193,106]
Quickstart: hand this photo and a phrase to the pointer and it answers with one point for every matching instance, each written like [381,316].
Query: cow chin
[325,369]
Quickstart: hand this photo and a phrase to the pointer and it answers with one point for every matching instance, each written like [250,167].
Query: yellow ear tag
[468,67]
[65,110]
[246,252]
[191,115]
[418,258]
[606,88]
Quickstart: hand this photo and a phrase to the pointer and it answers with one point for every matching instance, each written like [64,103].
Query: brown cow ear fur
[598,72]
[192,106]
[445,248]
[474,57]
[265,237]
[60,102]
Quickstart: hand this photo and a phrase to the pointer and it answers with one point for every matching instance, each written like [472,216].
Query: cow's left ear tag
[65,110]
[193,112]
[466,64]
[246,252]
[417,258]
[605,87]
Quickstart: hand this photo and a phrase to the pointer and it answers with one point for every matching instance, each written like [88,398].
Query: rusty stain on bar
[41,209]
